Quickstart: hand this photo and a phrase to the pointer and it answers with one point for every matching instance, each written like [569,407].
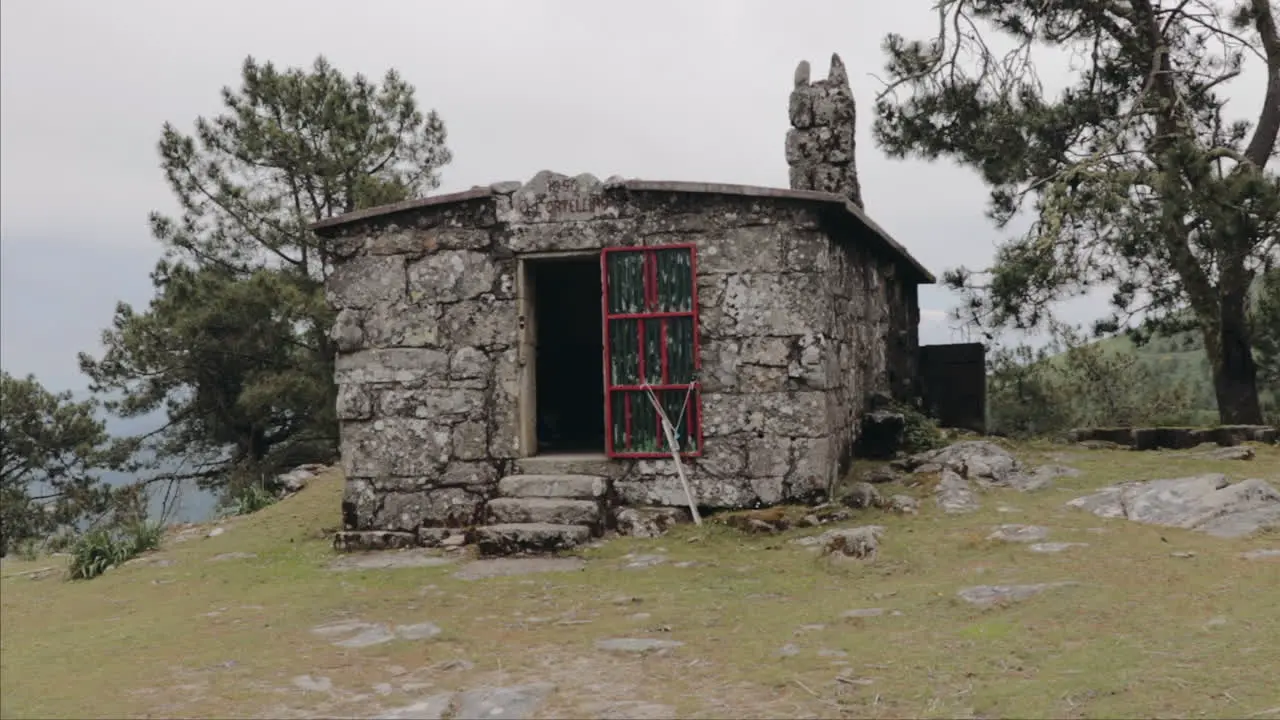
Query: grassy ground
[1144,634]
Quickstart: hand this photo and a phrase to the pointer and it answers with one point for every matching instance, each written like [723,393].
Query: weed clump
[104,548]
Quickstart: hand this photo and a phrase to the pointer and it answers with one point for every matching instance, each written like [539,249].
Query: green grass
[203,639]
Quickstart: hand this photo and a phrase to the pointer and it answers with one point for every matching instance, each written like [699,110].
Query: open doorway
[568,354]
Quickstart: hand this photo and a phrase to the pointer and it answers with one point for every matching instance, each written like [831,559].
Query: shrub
[246,497]
[101,549]
[921,432]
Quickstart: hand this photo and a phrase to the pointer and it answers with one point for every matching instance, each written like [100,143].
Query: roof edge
[785,194]
[475,193]
[751,191]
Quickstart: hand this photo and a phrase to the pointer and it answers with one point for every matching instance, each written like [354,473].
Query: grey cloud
[665,89]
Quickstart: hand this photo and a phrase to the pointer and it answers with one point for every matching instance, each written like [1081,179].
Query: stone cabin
[507,354]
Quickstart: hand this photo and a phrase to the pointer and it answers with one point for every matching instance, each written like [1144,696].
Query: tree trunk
[1235,375]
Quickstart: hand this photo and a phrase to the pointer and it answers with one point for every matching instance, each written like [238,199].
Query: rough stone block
[451,275]
[580,487]
[392,365]
[773,304]
[769,456]
[522,538]
[365,540]
[484,322]
[402,325]
[441,405]
[394,446]
[754,249]
[553,511]
[443,507]
[477,475]
[364,281]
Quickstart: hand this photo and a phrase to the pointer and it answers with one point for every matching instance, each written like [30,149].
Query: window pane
[624,352]
[626,281]
[653,351]
[680,356]
[675,280]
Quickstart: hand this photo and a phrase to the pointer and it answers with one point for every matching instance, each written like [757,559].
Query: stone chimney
[820,142]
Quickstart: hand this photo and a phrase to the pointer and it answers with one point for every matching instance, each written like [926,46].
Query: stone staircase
[540,513]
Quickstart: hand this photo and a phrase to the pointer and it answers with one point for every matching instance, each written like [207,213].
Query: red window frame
[692,390]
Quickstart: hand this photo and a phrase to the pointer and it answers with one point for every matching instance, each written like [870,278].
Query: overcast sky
[662,90]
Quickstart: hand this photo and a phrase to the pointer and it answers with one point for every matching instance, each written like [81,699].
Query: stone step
[570,464]
[529,538]
[580,487]
[552,511]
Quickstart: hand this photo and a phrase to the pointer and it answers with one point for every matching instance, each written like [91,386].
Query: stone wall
[795,331]
[820,145]
[869,334]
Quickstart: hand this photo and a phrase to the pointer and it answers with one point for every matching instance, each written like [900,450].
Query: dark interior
[570,362]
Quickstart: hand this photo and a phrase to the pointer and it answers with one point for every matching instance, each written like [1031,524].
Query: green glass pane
[626,281]
[653,352]
[675,280]
[624,352]
[680,352]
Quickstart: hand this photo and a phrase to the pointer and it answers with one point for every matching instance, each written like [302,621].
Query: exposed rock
[789,650]
[517,702]
[1206,503]
[313,684]
[297,479]
[988,595]
[216,532]
[879,475]
[1264,554]
[954,495]
[502,567]
[430,708]
[1239,452]
[1184,554]
[637,646]
[904,504]
[634,561]
[860,542]
[985,463]
[233,556]
[1055,547]
[650,522]
[420,631]
[862,613]
[861,495]
[1019,533]
[358,634]
[628,710]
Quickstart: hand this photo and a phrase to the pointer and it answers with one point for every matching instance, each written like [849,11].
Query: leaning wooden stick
[669,431]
